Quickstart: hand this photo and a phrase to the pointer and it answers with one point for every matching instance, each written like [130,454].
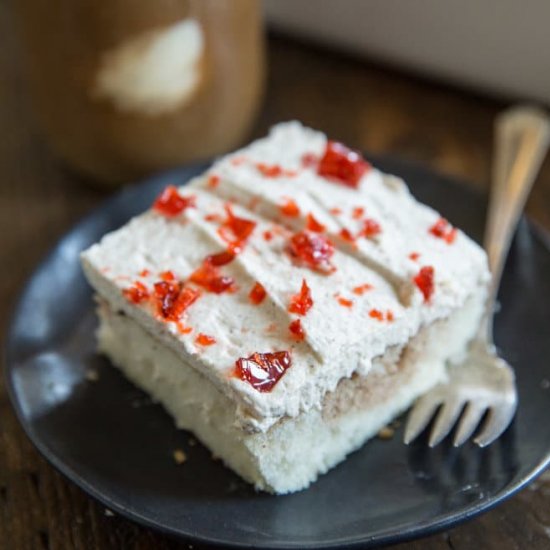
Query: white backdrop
[501,46]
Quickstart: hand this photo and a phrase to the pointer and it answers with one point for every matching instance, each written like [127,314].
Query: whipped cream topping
[373,273]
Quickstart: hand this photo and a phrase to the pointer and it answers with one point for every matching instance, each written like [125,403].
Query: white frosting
[339,340]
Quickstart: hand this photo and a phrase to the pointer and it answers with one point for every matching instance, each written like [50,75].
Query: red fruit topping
[451,236]
[173,299]
[381,316]
[301,303]
[443,230]
[376,314]
[344,301]
[137,293]
[213,181]
[358,212]
[257,294]
[263,370]
[222,258]
[183,329]
[313,250]
[345,234]
[439,228]
[342,164]
[309,160]
[144,273]
[274,171]
[370,228]
[296,330]
[208,276]
[213,218]
[424,280]
[361,289]
[414,256]
[235,230]
[204,339]
[314,225]
[270,170]
[171,203]
[290,209]
[167,276]
[268,235]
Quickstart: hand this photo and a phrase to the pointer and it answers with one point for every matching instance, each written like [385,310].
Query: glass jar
[123,88]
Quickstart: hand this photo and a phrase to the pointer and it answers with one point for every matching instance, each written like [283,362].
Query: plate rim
[445,521]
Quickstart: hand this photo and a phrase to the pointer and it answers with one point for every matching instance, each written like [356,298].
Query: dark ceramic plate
[111,441]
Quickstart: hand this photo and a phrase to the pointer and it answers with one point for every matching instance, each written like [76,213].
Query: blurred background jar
[123,88]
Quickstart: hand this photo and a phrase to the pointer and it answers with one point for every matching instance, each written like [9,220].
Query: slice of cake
[287,304]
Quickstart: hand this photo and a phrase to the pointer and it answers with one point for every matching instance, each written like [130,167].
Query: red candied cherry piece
[450,237]
[205,340]
[424,280]
[313,250]
[222,258]
[342,164]
[312,224]
[213,181]
[263,370]
[358,212]
[296,330]
[270,170]
[346,235]
[167,276]
[370,229]
[344,301]
[137,293]
[235,230]
[302,302]
[439,228]
[171,203]
[290,208]
[442,229]
[361,289]
[274,170]
[257,294]
[376,314]
[173,299]
[209,277]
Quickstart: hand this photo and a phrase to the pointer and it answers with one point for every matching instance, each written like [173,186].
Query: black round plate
[109,439]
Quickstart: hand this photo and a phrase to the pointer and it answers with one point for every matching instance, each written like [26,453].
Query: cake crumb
[386,433]
[192,442]
[108,513]
[92,375]
[179,456]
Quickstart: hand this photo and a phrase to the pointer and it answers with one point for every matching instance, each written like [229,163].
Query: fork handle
[522,137]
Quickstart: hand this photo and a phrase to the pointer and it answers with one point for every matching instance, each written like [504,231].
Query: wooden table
[364,105]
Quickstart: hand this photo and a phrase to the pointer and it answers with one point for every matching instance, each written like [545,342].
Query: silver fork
[485,383]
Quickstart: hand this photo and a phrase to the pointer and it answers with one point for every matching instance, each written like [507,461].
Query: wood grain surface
[365,106]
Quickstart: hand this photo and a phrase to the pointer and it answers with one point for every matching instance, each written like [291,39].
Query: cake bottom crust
[293,452]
